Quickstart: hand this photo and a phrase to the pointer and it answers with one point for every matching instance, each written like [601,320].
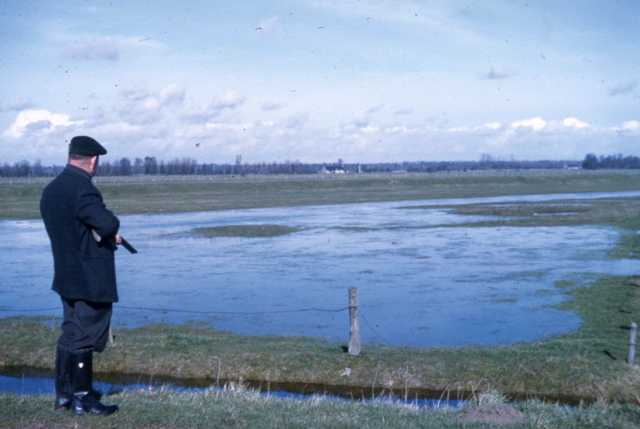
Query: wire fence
[166,310]
[226,313]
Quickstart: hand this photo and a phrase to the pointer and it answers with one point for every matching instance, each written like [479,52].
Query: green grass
[236,407]
[247,231]
[167,194]
[619,212]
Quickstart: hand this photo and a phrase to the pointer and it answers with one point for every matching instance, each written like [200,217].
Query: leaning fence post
[632,343]
[354,331]
[110,336]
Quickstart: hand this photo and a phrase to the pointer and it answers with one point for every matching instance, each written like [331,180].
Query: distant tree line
[592,162]
[150,166]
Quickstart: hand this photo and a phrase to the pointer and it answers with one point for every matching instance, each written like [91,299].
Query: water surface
[420,283]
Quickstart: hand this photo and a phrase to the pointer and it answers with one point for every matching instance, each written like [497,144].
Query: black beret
[86,146]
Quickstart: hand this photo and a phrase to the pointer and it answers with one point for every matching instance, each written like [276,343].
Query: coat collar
[76,171]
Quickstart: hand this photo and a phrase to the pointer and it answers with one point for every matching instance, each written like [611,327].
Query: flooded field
[422,281]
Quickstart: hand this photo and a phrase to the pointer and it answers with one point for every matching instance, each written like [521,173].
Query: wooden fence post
[632,343]
[354,331]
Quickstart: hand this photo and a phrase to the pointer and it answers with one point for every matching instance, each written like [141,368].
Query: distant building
[333,169]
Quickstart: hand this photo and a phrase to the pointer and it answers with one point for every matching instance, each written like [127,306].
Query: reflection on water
[29,384]
[417,286]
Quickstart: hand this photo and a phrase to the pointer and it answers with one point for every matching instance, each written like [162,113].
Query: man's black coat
[72,207]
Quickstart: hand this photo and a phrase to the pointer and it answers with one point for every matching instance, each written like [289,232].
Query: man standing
[83,234]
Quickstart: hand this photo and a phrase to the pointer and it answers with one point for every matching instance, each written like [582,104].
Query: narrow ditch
[34,381]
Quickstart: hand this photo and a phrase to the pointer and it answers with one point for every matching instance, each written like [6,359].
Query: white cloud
[39,121]
[489,129]
[362,118]
[233,127]
[137,105]
[628,128]
[172,94]
[573,122]
[161,123]
[458,129]
[229,99]
[492,126]
[534,123]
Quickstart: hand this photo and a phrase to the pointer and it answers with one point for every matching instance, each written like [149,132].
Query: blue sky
[319,80]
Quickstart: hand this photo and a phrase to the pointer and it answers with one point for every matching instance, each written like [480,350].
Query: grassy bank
[245,409]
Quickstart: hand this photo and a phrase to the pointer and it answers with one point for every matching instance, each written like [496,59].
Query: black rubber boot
[63,390]
[81,381]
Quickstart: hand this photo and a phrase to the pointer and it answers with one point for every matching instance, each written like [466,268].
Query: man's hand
[117,239]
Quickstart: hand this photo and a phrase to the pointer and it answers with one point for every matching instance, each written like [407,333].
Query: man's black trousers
[85,325]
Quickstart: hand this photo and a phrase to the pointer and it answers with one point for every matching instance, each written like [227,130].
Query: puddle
[437,286]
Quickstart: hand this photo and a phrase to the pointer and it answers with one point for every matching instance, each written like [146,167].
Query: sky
[318,81]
